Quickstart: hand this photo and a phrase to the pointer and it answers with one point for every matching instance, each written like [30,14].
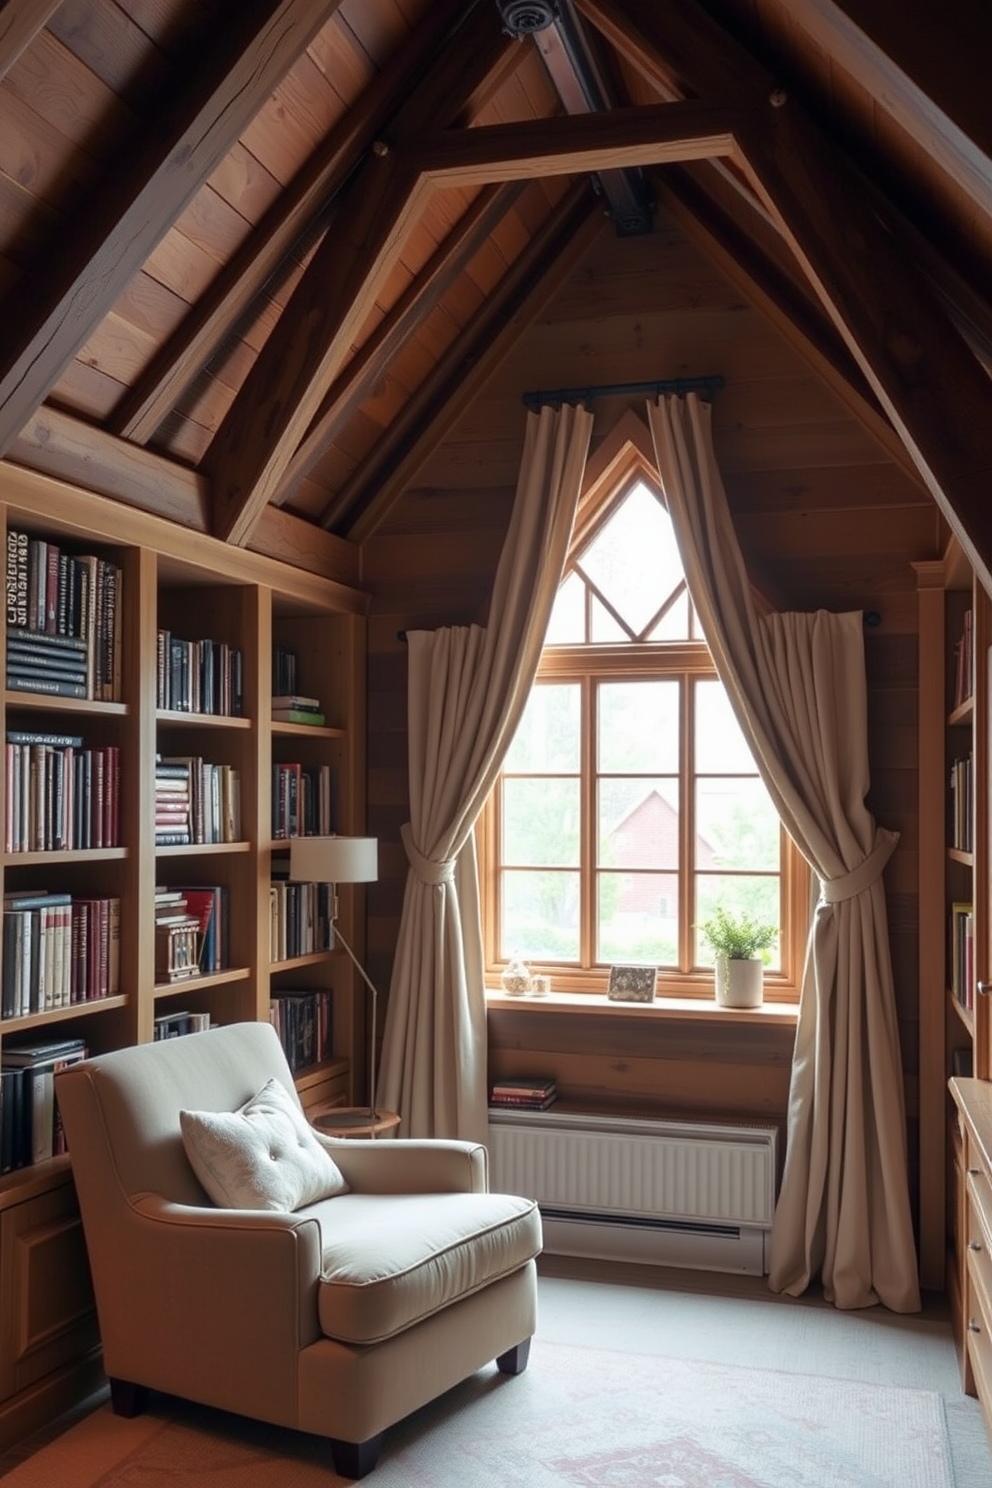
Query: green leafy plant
[738,937]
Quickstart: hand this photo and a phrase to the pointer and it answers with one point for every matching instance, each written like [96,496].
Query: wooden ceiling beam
[471,359]
[679,49]
[56,444]
[578,143]
[283,229]
[68,290]
[371,362]
[799,320]
[313,338]
[924,375]
[928,381]
[20,22]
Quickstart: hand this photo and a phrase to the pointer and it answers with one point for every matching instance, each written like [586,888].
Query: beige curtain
[797,684]
[467,690]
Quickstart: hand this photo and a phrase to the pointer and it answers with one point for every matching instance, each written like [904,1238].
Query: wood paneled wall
[826,520]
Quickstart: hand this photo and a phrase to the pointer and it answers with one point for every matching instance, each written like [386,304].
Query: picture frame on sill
[632,983]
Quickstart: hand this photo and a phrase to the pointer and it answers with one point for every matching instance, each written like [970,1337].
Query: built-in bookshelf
[141,847]
[955,636]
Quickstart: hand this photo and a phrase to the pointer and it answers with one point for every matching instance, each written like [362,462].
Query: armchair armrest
[212,1303]
[430,1165]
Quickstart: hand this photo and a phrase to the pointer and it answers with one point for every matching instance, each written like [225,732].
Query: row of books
[191,931]
[204,676]
[962,803]
[964,660]
[962,940]
[285,670]
[196,801]
[60,795]
[174,1025]
[300,919]
[63,620]
[57,950]
[302,1019]
[30,1127]
[524,1092]
[301,801]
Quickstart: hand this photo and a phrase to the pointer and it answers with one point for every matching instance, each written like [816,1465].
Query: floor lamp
[338,860]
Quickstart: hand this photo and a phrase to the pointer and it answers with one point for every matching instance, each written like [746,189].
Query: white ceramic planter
[740,984]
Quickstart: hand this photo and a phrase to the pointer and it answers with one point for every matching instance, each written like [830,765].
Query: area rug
[578,1418]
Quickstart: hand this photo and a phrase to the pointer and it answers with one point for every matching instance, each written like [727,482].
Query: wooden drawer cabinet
[49,1342]
[974,1102]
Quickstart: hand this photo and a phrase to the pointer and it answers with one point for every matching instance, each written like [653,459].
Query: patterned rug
[578,1418]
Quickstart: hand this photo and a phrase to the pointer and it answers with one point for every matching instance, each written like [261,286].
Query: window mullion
[687,820]
[589,793]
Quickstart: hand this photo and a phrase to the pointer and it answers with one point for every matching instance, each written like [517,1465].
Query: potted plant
[740,946]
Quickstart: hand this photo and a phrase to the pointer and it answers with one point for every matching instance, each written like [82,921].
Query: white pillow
[263,1156]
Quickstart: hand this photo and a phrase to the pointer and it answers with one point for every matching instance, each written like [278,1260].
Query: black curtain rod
[607,389]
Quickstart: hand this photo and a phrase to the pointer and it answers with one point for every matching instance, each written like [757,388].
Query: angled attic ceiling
[252,293]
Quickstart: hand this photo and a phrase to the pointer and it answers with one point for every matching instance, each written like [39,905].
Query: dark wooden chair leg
[127,1398]
[356,1459]
[514,1361]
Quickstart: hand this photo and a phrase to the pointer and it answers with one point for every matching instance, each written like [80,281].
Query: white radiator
[670,1192]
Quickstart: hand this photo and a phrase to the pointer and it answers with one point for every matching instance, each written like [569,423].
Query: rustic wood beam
[578,143]
[56,444]
[283,228]
[471,359]
[371,362]
[68,290]
[797,319]
[314,336]
[679,49]
[20,22]
[904,69]
[926,378]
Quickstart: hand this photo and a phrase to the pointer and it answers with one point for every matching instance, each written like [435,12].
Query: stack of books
[30,1128]
[196,801]
[63,620]
[524,1092]
[174,1025]
[294,707]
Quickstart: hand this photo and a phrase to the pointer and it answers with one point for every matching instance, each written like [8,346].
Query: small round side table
[355,1121]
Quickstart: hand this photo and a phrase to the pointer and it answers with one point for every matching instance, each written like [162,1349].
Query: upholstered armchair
[338,1317]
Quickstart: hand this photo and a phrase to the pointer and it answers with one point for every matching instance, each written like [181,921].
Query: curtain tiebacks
[426,870]
[849,885]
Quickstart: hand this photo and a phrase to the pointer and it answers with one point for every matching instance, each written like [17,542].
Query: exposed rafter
[472,357]
[313,338]
[20,22]
[372,361]
[286,226]
[68,290]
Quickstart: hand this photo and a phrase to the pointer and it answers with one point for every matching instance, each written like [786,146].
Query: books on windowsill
[524,1092]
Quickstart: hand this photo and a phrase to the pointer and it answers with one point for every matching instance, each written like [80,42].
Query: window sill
[680,1009]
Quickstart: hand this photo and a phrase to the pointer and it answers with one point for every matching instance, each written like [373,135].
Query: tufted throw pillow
[262,1156]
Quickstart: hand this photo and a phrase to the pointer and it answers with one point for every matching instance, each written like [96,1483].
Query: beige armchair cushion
[262,1156]
[382,1273]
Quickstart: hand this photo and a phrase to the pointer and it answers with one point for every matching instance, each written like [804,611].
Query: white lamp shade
[334,859]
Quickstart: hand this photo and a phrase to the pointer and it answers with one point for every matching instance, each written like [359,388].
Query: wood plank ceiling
[251,293]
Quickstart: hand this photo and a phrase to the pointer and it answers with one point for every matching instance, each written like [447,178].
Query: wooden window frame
[621,463]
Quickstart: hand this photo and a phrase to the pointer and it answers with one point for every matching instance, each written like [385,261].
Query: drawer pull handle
[984,988]
[974,1245]
[974,1327]
[975,1172]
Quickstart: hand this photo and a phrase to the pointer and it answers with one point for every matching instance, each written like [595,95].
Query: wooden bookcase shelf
[197,588]
[955,658]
